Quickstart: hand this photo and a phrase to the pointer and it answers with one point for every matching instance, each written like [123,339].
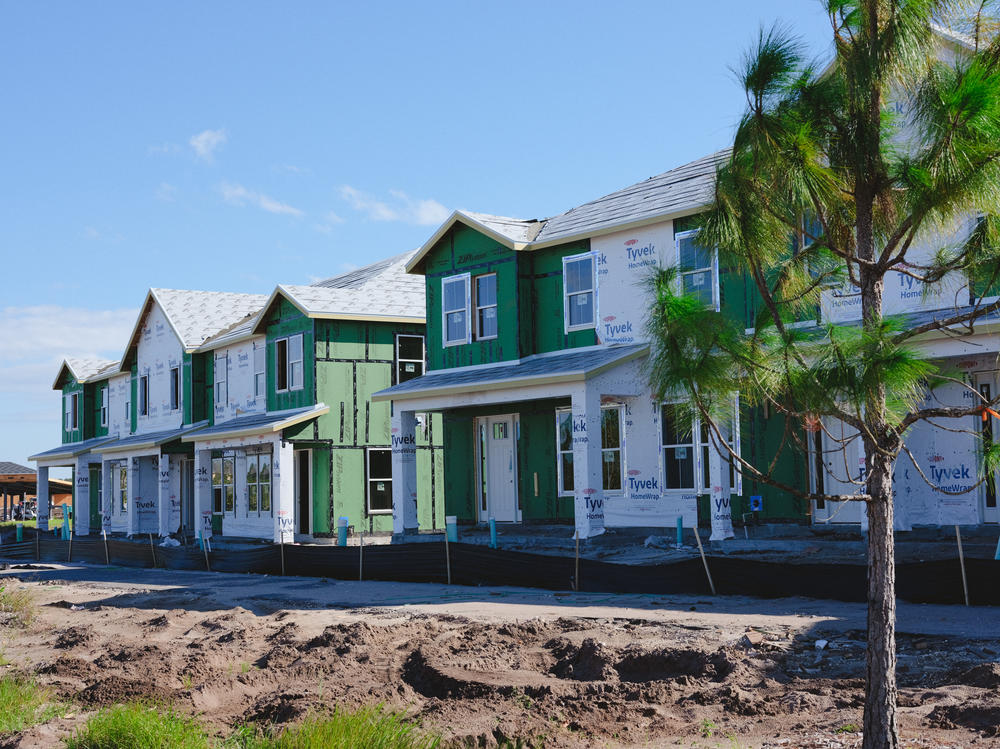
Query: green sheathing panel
[70,387]
[97,398]
[197,374]
[465,250]
[536,454]
[541,284]
[430,473]
[321,522]
[95,500]
[284,319]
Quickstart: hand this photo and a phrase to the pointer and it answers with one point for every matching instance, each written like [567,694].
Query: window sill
[487,338]
[380,512]
[576,328]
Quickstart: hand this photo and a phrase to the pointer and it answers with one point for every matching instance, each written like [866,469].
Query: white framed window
[259,369]
[455,310]
[564,451]
[705,443]
[223,486]
[612,443]
[409,357]
[288,363]
[175,388]
[579,297]
[72,406]
[144,395]
[677,447]
[221,378]
[105,396]
[259,484]
[123,488]
[699,268]
[485,292]
[379,473]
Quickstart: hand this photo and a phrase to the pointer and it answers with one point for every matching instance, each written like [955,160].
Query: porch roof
[265,423]
[70,449]
[151,439]
[540,369]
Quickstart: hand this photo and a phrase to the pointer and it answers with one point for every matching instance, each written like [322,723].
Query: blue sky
[233,146]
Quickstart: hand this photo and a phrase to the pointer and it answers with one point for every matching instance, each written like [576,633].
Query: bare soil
[558,675]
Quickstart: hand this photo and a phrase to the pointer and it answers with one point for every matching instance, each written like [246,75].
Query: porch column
[404,471]
[720,492]
[42,479]
[81,498]
[163,497]
[132,467]
[202,490]
[283,491]
[588,482]
[107,495]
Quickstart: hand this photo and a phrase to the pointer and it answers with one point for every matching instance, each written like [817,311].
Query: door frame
[989,515]
[307,455]
[831,511]
[483,514]
[187,496]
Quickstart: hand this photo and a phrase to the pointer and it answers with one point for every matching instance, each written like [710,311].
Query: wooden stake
[152,550]
[69,556]
[107,557]
[704,561]
[447,555]
[361,556]
[38,540]
[961,561]
[282,554]
[576,574]
[204,547]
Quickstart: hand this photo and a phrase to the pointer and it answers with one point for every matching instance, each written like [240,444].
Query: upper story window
[578,297]
[105,395]
[72,407]
[699,268]
[221,379]
[455,309]
[486,306]
[259,369]
[409,357]
[175,388]
[144,395]
[288,363]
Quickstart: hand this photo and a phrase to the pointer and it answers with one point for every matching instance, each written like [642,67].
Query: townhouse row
[249,416]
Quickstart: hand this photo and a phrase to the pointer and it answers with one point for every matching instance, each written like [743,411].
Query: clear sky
[236,145]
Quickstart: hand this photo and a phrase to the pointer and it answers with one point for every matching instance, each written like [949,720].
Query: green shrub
[138,726]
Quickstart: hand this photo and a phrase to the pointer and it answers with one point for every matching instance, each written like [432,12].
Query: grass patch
[23,703]
[370,727]
[17,605]
[138,726]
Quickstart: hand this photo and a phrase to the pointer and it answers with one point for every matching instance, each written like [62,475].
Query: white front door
[844,462]
[986,384]
[498,468]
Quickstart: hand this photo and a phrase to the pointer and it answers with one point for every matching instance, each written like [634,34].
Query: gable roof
[6,467]
[680,191]
[84,369]
[380,291]
[195,316]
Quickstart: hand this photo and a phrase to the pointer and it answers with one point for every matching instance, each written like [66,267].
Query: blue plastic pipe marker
[680,531]
[997,555]
[493,533]
[342,531]
[451,528]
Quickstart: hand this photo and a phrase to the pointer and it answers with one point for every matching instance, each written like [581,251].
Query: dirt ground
[485,665]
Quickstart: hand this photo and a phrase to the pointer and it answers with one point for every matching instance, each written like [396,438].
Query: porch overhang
[68,453]
[257,424]
[150,441]
[538,376]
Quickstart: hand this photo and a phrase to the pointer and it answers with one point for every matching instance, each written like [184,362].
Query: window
[564,450]
[486,306]
[223,492]
[578,286]
[105,394]
[705,443]
[175,388]
[72,412]
[259,369]
[221,379]
[122,488]
[143,395]
[611,448]
[455,309]
[379,481]
[259,484]
[699,268]
[409,357]
[128,413]
[678,453]
[288,363]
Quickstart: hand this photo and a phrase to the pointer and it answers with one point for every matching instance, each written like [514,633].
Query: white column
[588,483]
[202,490]
[283,490]
[81,496]
[133,495]
[720,493]
[404,471]
[42,478]
[163,496]
[107,496]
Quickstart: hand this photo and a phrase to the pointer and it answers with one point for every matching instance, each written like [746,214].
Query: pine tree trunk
[880,724]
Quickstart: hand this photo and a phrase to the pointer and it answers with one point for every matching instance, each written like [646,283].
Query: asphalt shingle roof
[197,315]
[252,421]
[7,467]
[515,229]
[71,449]
[87,368]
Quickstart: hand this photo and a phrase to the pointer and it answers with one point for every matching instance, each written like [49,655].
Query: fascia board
[135,329]
[269,428]
[373,318]
[455,217]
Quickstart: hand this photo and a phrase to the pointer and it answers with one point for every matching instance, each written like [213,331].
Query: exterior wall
[285,319]
[120,417]
[158,351]
[197,382]
[71,387]
[239,381]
